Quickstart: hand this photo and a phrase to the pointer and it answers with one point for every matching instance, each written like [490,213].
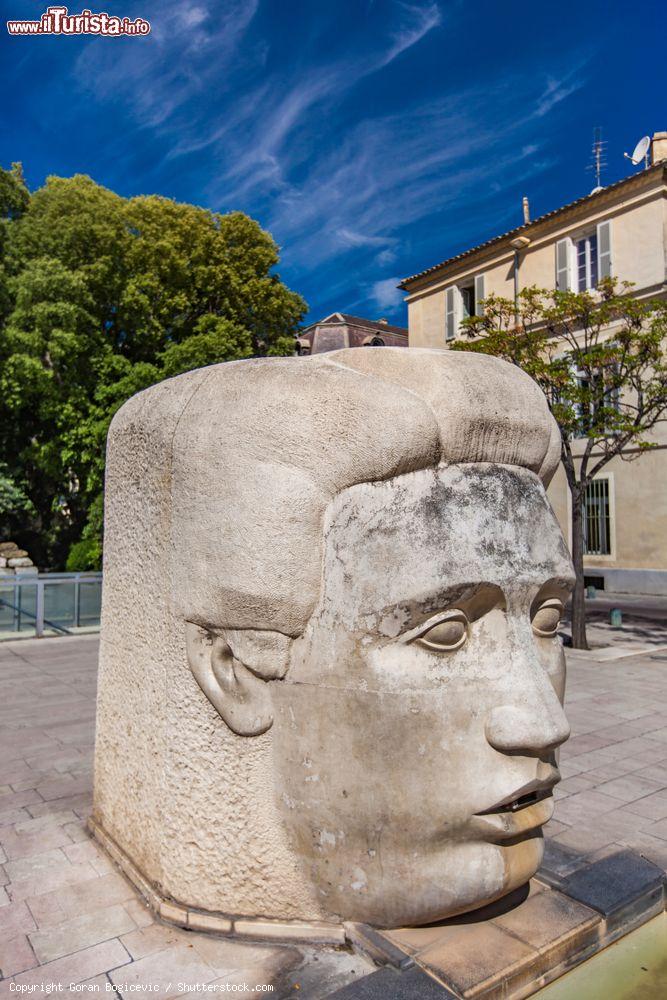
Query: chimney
[659,147]
[526,211]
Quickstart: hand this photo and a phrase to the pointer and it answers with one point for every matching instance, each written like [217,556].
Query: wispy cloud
[449,158]
[189,47]
[443,155]
[416,20]
[287,101]
[350,238]
[342,184]
[557,90]
[385,294]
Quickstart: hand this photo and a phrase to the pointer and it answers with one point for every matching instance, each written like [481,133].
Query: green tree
[14,504]
[14,199]
[600,360]
[100,297]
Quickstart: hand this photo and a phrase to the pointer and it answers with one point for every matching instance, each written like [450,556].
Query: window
[582,261]
[467,302]
[587,263]
[600,388]
[462,301]
[302,347]
[593,389]
[597,521]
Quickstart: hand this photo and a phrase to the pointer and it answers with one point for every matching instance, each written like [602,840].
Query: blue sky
[373,138]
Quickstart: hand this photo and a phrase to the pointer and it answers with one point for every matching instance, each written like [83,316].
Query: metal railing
[56,602]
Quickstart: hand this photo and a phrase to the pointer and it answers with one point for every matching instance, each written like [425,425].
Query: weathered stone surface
[620,887]
[414,984]
[555,925]
[378,946]
[81,932]
[335,565]
[480,958]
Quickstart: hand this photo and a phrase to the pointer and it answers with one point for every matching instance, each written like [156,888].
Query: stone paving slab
[415,984]
[65,911]
[621,887]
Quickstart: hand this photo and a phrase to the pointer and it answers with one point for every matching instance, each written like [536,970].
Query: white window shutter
[563,256]
[479,295]
[450,313]
[604,250]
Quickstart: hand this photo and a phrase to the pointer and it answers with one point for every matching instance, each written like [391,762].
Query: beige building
[620,230]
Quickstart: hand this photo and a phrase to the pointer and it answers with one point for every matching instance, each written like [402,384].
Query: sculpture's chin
[464,877]
[522,860]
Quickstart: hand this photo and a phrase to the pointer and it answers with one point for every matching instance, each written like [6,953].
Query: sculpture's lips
[526,809]
[518,802]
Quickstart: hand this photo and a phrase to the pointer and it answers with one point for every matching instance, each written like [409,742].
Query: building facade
[618,231]
[342,330]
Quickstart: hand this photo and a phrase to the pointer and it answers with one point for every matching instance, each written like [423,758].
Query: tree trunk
[579,640]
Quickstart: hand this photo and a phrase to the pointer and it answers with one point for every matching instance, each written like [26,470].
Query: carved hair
[254,451]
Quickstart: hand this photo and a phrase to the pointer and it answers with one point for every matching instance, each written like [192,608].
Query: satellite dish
[640,152]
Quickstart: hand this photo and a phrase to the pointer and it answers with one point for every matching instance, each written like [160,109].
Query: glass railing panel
[27,606]
[90,602]
[60,603]
[8,615]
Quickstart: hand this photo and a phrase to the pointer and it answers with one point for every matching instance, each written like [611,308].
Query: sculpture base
[230,925]
[538,933]
[514,947]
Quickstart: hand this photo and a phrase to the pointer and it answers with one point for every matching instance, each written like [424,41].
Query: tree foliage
[600,360]
[100,297]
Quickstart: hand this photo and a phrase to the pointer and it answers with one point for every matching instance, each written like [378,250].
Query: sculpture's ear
[235,679]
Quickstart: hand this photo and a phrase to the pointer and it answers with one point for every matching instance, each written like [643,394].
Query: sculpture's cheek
[377,762]
[377,791]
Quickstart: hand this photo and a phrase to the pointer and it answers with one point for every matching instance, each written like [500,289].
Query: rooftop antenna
[599,160]
[640,153]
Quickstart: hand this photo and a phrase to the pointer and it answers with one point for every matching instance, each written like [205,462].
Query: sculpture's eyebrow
[412,613]
[475,597]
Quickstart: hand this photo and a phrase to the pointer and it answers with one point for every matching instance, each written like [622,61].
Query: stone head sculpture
[331,683]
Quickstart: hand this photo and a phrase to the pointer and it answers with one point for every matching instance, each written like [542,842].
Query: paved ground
[66,915]
[614,766]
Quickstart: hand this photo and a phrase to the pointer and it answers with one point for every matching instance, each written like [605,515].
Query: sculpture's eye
[547,617]
[448,634]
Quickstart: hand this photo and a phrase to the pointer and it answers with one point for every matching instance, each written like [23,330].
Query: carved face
[415,729]
[414,724]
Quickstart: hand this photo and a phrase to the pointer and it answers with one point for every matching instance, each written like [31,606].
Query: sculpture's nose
[529,718]
[530,729]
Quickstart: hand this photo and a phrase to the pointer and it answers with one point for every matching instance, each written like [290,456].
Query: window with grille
[597,524]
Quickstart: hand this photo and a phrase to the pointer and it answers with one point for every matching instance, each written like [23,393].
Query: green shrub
[84,555]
